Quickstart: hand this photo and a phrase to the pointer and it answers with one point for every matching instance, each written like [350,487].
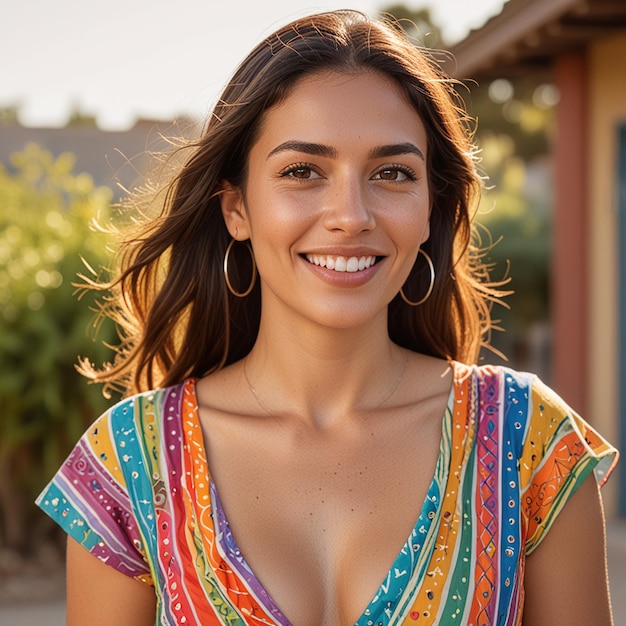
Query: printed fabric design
[137,493]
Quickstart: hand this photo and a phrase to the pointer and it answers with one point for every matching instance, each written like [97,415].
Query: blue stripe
[131,454]
[517,392]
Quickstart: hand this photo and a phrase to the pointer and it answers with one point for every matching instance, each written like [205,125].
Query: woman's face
[336,202]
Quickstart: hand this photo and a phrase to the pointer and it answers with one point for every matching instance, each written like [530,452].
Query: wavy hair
[174,313]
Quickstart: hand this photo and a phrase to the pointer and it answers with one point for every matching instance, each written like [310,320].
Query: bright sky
[119,59]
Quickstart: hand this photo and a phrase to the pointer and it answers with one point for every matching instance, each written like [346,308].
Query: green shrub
[46,215]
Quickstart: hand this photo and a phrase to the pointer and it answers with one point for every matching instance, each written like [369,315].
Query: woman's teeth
[342,263]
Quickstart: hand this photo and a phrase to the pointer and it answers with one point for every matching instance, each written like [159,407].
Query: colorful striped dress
[136,491]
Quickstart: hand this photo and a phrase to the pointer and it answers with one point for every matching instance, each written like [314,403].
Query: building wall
[607,110]
[569,299]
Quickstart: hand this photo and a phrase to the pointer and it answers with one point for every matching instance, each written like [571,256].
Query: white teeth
[342,263]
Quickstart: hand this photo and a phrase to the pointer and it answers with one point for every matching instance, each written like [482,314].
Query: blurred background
[87,91]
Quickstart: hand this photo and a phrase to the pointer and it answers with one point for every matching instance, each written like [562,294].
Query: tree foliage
[417,23]
[514,128]
[45,229]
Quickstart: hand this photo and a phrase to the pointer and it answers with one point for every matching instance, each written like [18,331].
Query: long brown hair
[175,315]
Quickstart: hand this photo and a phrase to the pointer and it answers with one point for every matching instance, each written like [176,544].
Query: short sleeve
[560,451]
[89,496]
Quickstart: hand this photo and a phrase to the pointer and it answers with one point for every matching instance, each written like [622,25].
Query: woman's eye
[299,172]
[395,174]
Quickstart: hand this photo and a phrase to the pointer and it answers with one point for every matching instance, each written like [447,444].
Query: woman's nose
[348,210]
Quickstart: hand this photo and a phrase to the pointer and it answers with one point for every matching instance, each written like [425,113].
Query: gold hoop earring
[239,294]
[431,267]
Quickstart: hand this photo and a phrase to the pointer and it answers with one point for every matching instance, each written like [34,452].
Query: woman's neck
[321,375]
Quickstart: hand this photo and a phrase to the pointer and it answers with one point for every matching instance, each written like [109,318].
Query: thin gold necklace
[386,399]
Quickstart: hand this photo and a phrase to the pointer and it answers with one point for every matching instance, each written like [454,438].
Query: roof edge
[518,20]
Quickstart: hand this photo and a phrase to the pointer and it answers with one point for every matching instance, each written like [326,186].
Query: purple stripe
[171,426]
[487,457]
[92,482]
[229,547]
[91,493]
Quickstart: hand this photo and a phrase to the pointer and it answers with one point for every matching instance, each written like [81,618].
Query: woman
[326,400]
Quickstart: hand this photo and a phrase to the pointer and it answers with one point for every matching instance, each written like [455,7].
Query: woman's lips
[340,263]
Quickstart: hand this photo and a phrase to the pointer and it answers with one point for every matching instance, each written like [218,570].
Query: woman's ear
[234,212]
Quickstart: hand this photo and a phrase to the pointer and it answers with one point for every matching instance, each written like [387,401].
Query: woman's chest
[323,532]
[321,522]
[461,560]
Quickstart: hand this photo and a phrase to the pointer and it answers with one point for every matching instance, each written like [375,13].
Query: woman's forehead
[344,105]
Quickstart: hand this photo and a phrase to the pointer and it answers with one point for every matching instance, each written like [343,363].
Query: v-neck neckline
[387,594]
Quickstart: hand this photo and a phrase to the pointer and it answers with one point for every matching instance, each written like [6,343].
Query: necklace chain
[253,390]
[386,399]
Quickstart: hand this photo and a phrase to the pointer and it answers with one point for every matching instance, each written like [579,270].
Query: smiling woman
[337,174]
[316,446]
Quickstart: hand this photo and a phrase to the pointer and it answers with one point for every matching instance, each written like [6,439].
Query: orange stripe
[546,483]
[200,499]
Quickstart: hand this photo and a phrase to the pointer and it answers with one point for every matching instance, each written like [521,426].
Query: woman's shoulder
[155,396]
[516,396]
[140,410]
[491,371]
[499,383]
[534,417]
[512,385]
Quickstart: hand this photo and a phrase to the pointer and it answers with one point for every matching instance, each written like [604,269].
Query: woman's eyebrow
[315,149]
[396,149]
[318,149]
